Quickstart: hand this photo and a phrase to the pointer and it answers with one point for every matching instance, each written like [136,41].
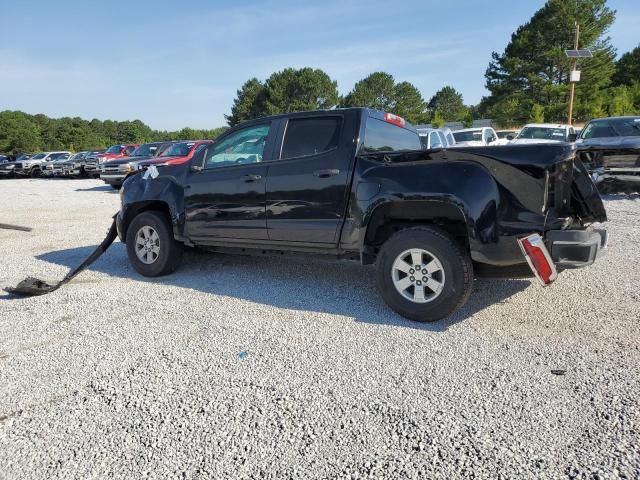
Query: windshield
[24,156]
[114,149]
[612,127]
[146,150]
[474,136]
[77,156]
[543,133]
[178,150]
[38,156]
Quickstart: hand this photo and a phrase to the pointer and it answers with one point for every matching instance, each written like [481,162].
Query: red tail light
[395,119]
[538,258]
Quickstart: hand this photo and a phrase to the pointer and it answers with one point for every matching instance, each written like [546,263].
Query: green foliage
[467,120]
[448,101]
[20,132]
[533,68]
[380,91]
[628,68]
[298,90]
[437,120]
[289,90]
[620,101]
[506,113]
[537,114]
[248,104]
[409,103]
[375,91]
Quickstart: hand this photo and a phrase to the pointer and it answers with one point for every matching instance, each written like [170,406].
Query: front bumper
[113,178]
[576,248]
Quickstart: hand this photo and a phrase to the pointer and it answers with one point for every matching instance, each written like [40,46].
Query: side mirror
[572,137]
[197,161]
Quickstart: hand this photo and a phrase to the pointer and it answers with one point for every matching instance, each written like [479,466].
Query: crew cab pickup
[113,172]
[354,183]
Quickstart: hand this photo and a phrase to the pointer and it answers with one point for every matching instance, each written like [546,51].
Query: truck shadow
[323,286]
[98,188]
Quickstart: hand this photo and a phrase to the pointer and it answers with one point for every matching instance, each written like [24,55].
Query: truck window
[381,136]
[240,147]
[309,136]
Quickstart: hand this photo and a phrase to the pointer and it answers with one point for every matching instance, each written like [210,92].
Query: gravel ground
[239,367]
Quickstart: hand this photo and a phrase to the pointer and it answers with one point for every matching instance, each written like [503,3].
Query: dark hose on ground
[30,286]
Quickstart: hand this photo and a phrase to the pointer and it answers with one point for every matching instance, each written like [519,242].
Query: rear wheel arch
[392,217]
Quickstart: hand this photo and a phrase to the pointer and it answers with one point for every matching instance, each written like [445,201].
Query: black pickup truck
[610,149]
[355,183]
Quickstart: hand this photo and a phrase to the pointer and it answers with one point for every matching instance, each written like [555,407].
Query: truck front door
[226,199]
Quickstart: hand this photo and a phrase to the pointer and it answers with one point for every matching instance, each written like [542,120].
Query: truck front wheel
[151,248]
[424,274]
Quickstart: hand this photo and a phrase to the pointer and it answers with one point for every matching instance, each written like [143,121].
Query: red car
[116,151]
[177,153]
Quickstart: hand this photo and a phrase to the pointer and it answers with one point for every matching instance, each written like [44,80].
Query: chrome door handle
[251,178]
[330,172]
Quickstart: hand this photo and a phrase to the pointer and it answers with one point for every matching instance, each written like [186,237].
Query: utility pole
[572,80]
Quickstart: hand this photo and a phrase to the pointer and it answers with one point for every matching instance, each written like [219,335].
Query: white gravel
[239,367]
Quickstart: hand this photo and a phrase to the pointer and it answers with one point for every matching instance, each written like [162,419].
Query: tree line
[528,82]
[21,132]
[292,90]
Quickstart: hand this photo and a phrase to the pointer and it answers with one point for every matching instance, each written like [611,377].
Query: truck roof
[371,112]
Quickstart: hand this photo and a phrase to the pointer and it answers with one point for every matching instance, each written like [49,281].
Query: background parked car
[175,154]
[74,166]
[116,151]
[54,167]
[475,137]
[610,149]
[448,134]
[91,166]
[114,172]
[505,136]
[432,138]
[545,133]
[7,169]
[34,166]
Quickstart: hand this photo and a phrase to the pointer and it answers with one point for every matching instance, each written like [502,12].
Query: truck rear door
[307,183]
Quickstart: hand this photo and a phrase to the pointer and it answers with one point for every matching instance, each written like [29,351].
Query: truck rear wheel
[423,274]
[151,248]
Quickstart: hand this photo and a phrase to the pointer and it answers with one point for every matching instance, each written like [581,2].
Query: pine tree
[534,69]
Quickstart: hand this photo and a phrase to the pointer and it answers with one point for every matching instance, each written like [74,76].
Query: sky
[175,64]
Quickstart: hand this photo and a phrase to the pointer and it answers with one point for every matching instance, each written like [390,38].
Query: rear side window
[381,136]
[310,136]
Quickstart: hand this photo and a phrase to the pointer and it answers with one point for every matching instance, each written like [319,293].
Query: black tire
[170,252]
[456,275]
[36,173]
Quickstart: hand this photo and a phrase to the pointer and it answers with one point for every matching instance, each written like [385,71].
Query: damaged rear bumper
[576,248]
